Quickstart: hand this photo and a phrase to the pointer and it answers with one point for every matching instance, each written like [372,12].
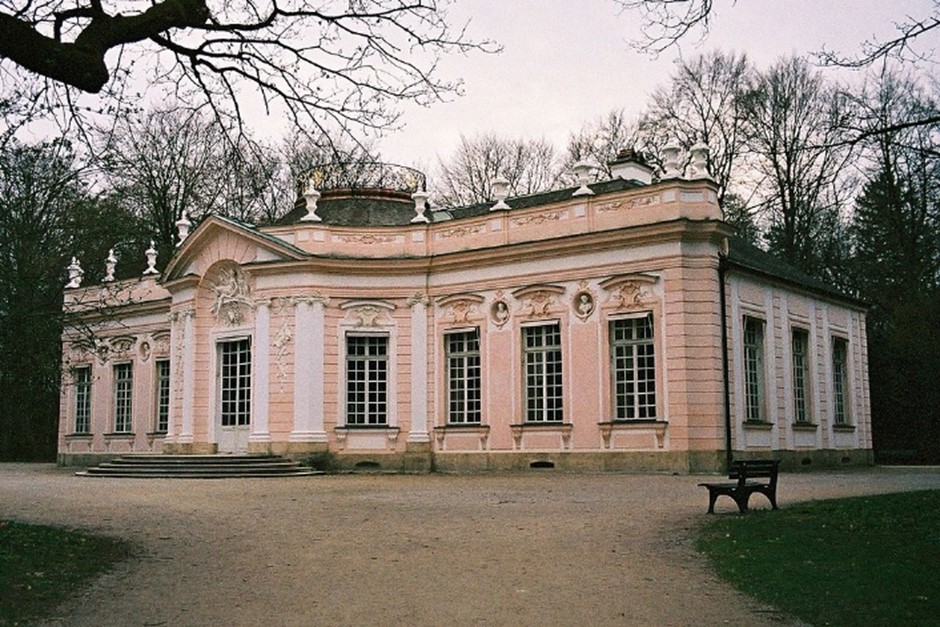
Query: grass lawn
[42,566]
[872,560]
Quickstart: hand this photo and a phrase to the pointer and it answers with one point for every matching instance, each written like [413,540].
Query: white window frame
[161,392]
[841,410]
[240,415]
[802,379]
[538,409]
[82,417]
[123,397]
[464,378]
[374,413]
[753,371]
[642,400]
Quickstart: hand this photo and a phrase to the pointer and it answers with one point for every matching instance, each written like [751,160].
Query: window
[123,383]
[840,380]
[633,368]
[162,422]
[543,391]
[800,354]
[366,380]
[83,399]
[235,382]
[753,369]
[463,377]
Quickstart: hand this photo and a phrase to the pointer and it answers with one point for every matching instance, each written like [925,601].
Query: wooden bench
[741,490]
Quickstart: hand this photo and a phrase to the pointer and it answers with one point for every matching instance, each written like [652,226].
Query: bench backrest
[754,469]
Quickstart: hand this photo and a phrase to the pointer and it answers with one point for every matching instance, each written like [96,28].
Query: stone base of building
[418,457]
[825,459]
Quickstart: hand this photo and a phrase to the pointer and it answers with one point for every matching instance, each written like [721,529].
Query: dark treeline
[840,181]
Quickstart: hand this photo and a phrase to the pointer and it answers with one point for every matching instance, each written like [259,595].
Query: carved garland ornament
[629,292]
[232,296]
[282,339]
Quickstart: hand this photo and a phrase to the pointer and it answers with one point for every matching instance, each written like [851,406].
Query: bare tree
[795,122]
[666,22]
[598,142]
[326,63]
[529,165]
[702,103]
[170,161]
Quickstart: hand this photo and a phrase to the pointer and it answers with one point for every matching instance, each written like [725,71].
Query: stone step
[198,467]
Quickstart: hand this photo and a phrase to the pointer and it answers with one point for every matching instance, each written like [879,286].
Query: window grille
[633,366]
[366,380]
[463,377]
[840,380]
[800,350]
[123,384]
[83,399]
[754,369]
[163,395]
[235,382]
[543,384]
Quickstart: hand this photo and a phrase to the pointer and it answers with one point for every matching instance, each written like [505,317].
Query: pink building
[613,326]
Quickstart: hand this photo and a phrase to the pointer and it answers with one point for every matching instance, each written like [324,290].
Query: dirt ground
[536,548]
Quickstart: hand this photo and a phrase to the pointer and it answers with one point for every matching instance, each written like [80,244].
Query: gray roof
[744,256]
[367,209]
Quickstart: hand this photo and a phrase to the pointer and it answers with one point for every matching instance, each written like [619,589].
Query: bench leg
[741,500]
[712,497]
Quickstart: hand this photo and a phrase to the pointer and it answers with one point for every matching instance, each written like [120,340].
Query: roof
[748,257]
[380,209]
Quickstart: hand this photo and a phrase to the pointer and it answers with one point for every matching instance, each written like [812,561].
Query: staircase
[198,467]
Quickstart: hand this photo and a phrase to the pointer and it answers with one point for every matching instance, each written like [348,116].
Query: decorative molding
[311,299]
[121,346]
[144,351]
[368,312]
[629,291]
[461,308]
[462,231]
[537,300]
[539,218]
[499,310]
[161,343]
[367,239]
[180,315]
[418,298]
[232,296]
[281,341]
[583,303]
[627,203]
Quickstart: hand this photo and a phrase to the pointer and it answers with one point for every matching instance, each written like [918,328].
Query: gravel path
[536,548]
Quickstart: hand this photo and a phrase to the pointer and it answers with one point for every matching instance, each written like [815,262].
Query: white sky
[567,62]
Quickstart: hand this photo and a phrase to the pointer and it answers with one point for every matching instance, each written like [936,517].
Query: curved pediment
[218,239]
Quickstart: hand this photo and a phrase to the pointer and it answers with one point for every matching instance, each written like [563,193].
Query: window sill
[79,436]
[636,427]
[464,426]
[562,429]
[479,430]
[805,426]
[843,428]
[117,435]
[541,426]
[156,434]
[366,431]
[366,427]
[758,425]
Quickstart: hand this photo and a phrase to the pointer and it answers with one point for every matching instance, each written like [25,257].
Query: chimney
[629,165]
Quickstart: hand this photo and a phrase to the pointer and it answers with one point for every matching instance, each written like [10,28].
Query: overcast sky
[566,62]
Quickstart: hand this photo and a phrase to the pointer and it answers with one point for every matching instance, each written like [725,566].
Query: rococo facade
[616,325]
